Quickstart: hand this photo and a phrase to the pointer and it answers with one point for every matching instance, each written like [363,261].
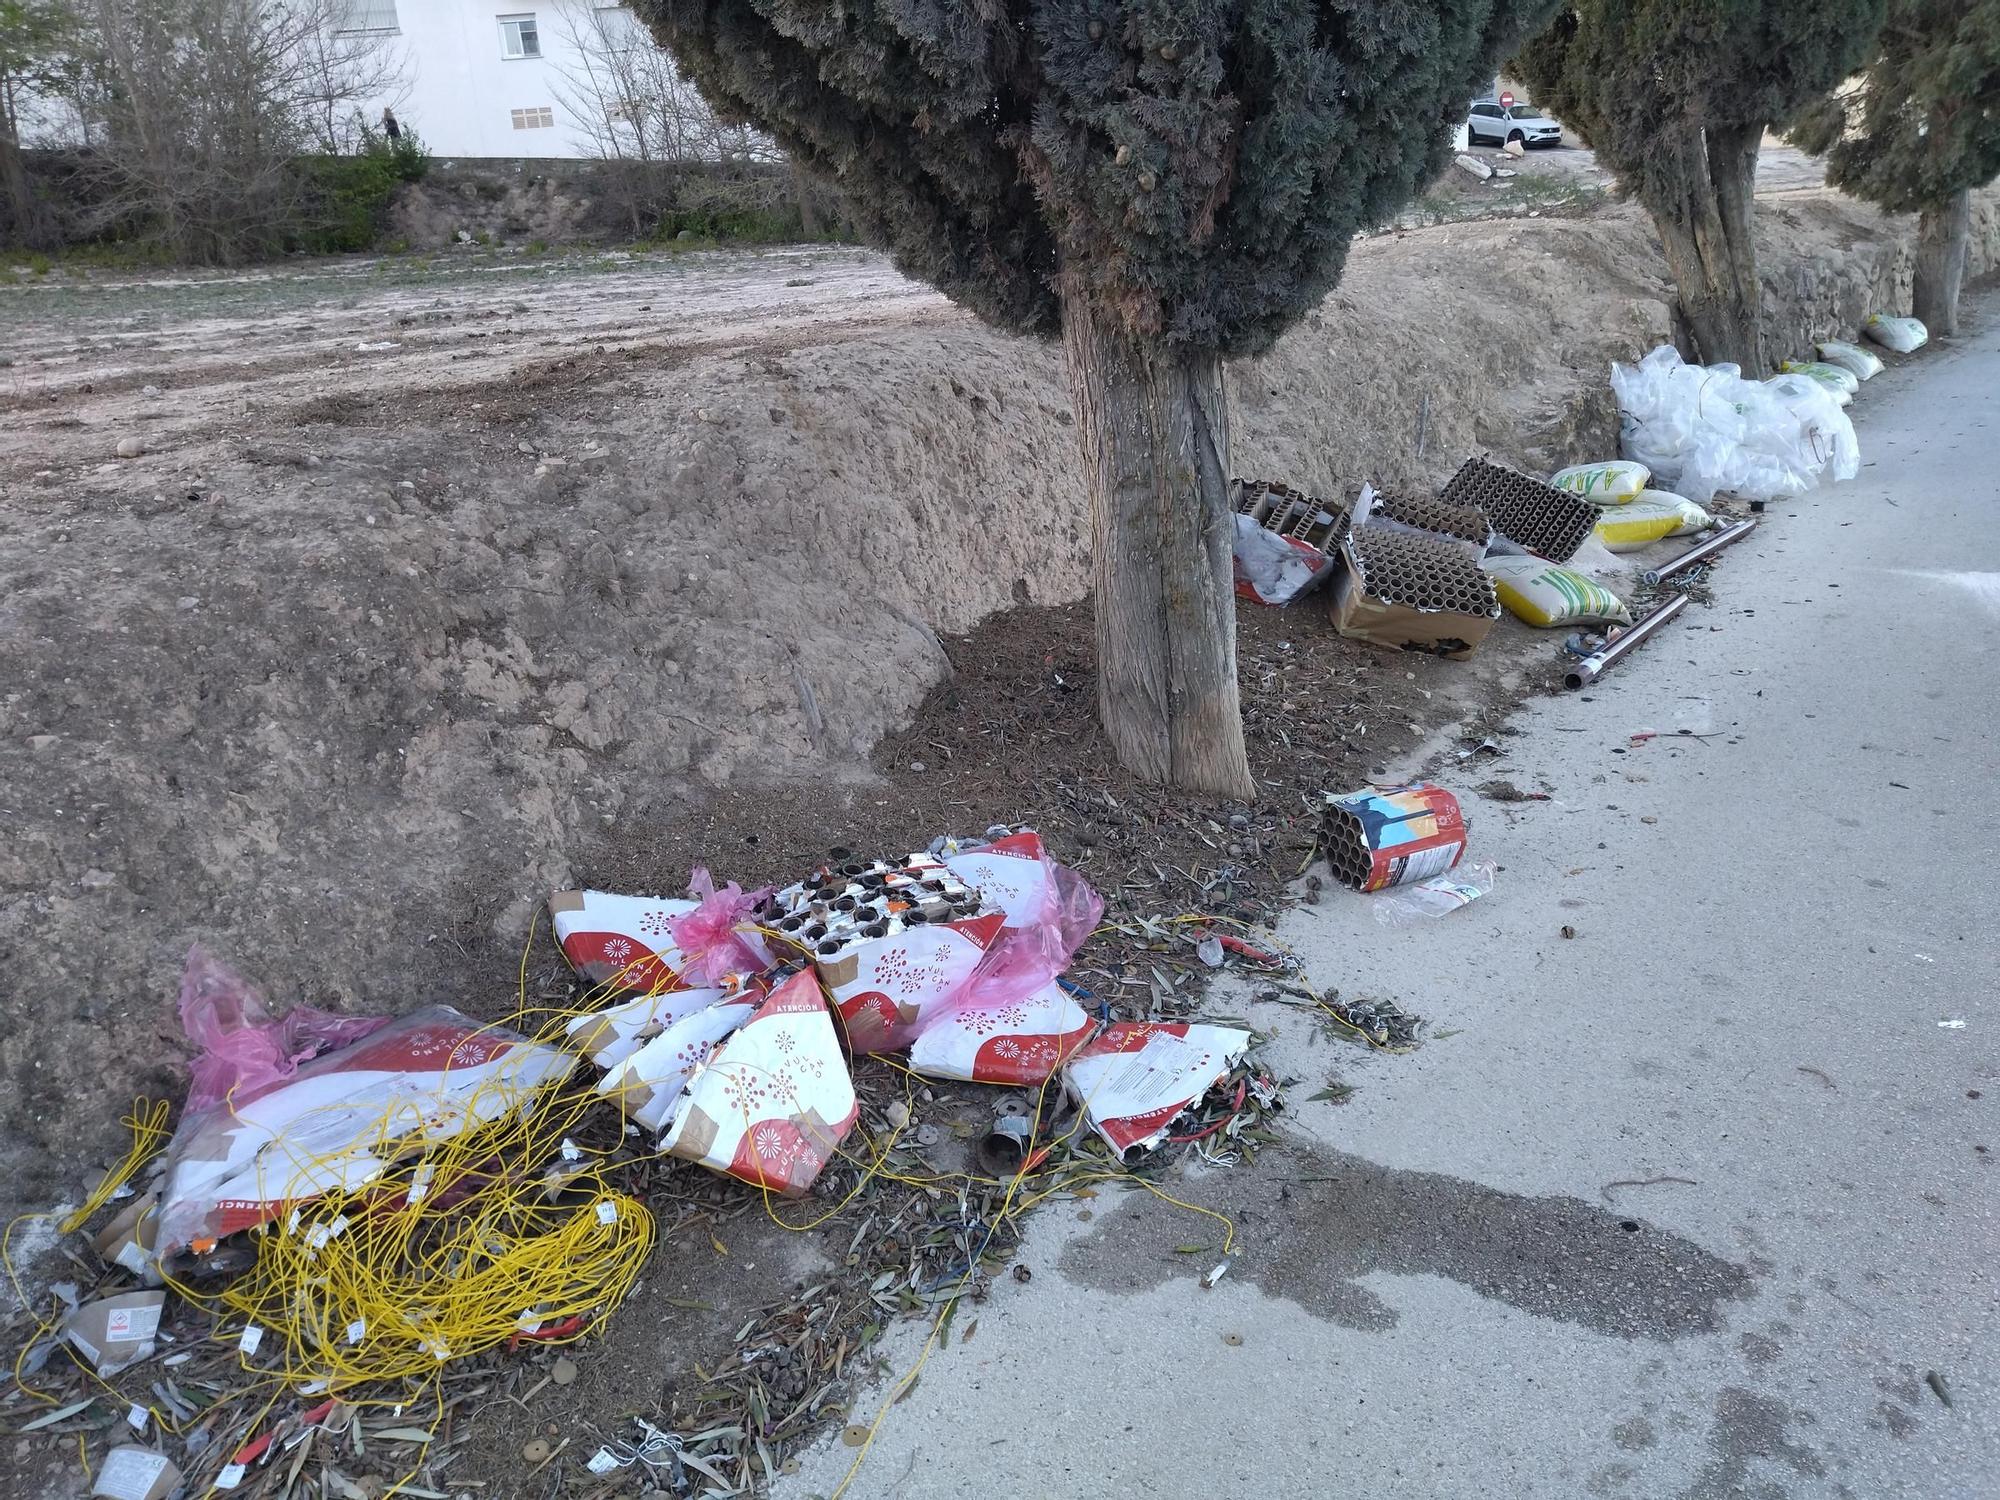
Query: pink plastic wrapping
[713,937]
[1051,910]
[240,1050]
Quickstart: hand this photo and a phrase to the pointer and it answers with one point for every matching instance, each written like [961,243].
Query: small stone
[563,1372]
[131,446]
[898,1114]
[1569,932]
[187,602]
[917,765]
[41,742]
[1649,818]
[98,880]
[524,446]
[149,390]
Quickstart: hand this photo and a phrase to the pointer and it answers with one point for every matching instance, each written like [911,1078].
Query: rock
[685,234]
[131,445]
[1515,149]
[149,390]
[898,1114]
[41,742]
[97,880]
[1474,165]
[465,238]
[563,1372]
[188,602]
[524,447]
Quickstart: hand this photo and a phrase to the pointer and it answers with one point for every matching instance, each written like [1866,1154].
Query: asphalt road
[1455,1285]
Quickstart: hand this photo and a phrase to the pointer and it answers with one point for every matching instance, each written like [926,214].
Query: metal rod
[1703,550]
[1596,665]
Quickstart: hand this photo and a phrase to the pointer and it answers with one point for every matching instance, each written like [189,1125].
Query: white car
[1493,124]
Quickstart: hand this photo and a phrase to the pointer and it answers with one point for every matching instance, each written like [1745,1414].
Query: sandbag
[1841,382]
[1904,335]
[1547,594]
[1854,359]
[1614,482]
[1654,515]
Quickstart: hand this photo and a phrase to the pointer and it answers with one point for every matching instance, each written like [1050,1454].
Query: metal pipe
[1596,665]
[1703,551]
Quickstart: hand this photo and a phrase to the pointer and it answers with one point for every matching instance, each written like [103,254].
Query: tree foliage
[1197,169]
[1923,122]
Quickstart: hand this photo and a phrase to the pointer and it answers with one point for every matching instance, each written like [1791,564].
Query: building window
[618,28]
[542,118]
[364,17]
[519,38]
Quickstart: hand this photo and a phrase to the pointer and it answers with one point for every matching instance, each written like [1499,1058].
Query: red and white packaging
[608,1037]
[1011,873]
[1020,1042]
[774,1101]
[885,987]
[648,1084]
[626,939]
[1138,1076]
[428,1076]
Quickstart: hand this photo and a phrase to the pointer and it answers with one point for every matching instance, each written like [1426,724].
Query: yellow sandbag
[1544,593]
[1616,481]
[1655,514]
[1840,381]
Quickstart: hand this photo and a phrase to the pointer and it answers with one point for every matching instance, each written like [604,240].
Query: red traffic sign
[1507,101]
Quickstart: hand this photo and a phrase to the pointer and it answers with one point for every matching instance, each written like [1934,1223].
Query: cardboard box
[1411,592]
[1019,1044]
[608,1037]
[1286,542]
[772,1104]
[621,940]
[648,1084]
[115,1332]
[133,1473]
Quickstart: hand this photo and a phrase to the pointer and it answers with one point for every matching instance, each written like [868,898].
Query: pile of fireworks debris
[362,1214]
[1423,573]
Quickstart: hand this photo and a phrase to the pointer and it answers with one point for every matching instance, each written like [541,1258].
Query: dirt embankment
[375,645]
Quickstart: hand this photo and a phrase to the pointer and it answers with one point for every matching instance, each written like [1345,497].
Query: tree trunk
[1154,427]
[1944,233]
[29,219]
[1707,224]
[803,195]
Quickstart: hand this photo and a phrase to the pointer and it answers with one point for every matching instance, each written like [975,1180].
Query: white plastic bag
[1439,896]
[1904,335]
[1703,429]
[1857,361]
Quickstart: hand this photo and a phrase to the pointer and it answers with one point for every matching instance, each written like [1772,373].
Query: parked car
[1491,123]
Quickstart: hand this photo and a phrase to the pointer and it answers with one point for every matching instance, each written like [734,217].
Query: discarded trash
[1287,542]
[1861,363]
[336,1122]
[114,1332]
[130,1473]
[1955,1024]
[1420,513]
[1138,1077]
[1599,662]
[1654,515]
[1384,836]
[608,1037]
[1612,482]
[1547,594]
[1699,553]
[1904,335]
[647,1084]
[129,1240]
[1405,590]
[626,940]
[1018,1043]
[1836,378]
[774,1100]
[376,346]
[1702,429]
[1549,522]
[240,1051]
[1378,1021]
[1439,896]
[1217,1272]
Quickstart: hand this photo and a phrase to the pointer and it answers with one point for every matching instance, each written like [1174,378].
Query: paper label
[570,1152]
[252,1337]
[1426,864]
[136,1418]
[601,1462]
[1155,1075]
[230,1477]
[127,1473]
[131,1325]
[133,1258]
[355,1329]
[90,1350]
[607,1212]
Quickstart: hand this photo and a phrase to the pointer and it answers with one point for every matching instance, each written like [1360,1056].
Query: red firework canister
[1384,836]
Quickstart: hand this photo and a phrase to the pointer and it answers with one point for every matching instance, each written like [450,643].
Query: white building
[485,78]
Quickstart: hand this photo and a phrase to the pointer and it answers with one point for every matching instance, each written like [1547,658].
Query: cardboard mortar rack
[1412,590]
[1310,526]
[1465,523]
[889,938]
[1549,522]
[1384,836]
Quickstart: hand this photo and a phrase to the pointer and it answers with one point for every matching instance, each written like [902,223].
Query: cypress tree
[1675,96]
[1159,183]
[1919,132]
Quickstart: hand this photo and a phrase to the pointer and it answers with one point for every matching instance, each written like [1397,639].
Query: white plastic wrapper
[1019,1044]
[1273,569]
[1440,896]
[1702,430]
[1139,1076]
